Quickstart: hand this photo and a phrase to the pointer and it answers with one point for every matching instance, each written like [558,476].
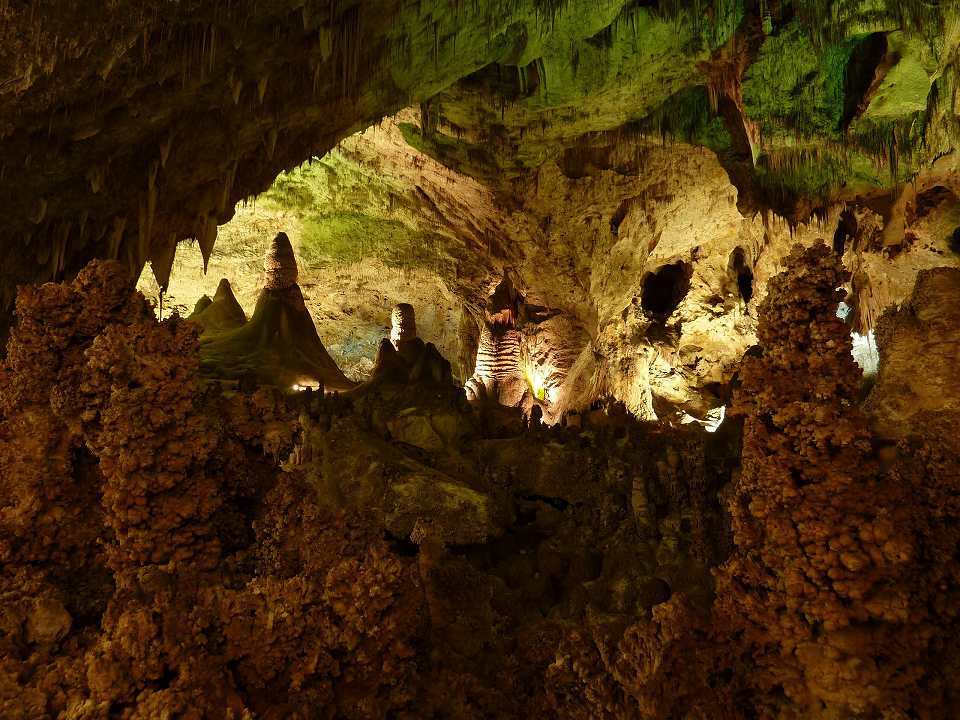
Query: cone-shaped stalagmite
[280,266]
[280,344]
[220,314]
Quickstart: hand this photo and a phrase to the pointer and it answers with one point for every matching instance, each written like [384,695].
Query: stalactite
[40,213]
[116,237]
[262,88]
[165,147]
[272,136]
[207,238]
[162,256]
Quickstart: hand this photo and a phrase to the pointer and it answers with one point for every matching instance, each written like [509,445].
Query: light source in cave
[865,352]
[711,422]
[537,377]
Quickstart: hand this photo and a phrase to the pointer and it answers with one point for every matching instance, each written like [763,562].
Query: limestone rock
[280,264]
[919,347]
[460,515]
[221,313]
[403,324]
[48,621]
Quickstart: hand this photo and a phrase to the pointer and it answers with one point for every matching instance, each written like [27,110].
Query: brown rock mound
[280,345]
[222,313]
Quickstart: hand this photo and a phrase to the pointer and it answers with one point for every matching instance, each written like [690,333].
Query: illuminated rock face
[403,324]
[919,345]
[498,357]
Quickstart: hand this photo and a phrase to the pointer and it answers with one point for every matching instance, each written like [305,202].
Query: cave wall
[580,235]
[127,128]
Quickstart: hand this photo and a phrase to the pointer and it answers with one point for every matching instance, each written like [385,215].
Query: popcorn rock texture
[176,547]
[838,587]
[280,265]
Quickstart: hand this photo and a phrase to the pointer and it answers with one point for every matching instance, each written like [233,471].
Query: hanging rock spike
[272,142]
[161,261]
[41,212]
[206,239]
[262,88]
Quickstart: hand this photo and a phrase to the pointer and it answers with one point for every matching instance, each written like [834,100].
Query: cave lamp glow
[536,377]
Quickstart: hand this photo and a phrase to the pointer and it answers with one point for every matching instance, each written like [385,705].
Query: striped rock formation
[498,356]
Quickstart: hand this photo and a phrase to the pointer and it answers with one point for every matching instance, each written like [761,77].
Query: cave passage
[665,288]
[744,274]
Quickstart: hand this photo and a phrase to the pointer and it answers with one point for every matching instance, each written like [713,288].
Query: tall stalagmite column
[829,587]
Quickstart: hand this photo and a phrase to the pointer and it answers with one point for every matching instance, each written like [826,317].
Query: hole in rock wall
[665,288]
[846,230]
[955,241]
[860,74]
[743,272]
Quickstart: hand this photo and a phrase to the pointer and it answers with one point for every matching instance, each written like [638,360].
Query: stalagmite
[403,324]
[498,357]
[280,264]
[280,344]
[220,314]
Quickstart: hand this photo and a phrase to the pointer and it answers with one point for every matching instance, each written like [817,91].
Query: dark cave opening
[665,288]
[740,267]
[955,240]
[860,74]
[846,229]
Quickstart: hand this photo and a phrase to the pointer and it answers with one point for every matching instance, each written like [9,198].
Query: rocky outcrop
[221,313]
[833,587]
[918,345]
[279,345]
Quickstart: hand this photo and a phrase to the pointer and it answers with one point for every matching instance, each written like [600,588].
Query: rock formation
[220,314]
[620,462]
[403,324]
[279,345]
[824,585]
[918,352]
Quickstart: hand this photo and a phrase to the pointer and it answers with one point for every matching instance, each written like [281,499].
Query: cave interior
[575,359]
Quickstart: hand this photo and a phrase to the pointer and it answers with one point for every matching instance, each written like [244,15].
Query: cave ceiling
[128,127]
